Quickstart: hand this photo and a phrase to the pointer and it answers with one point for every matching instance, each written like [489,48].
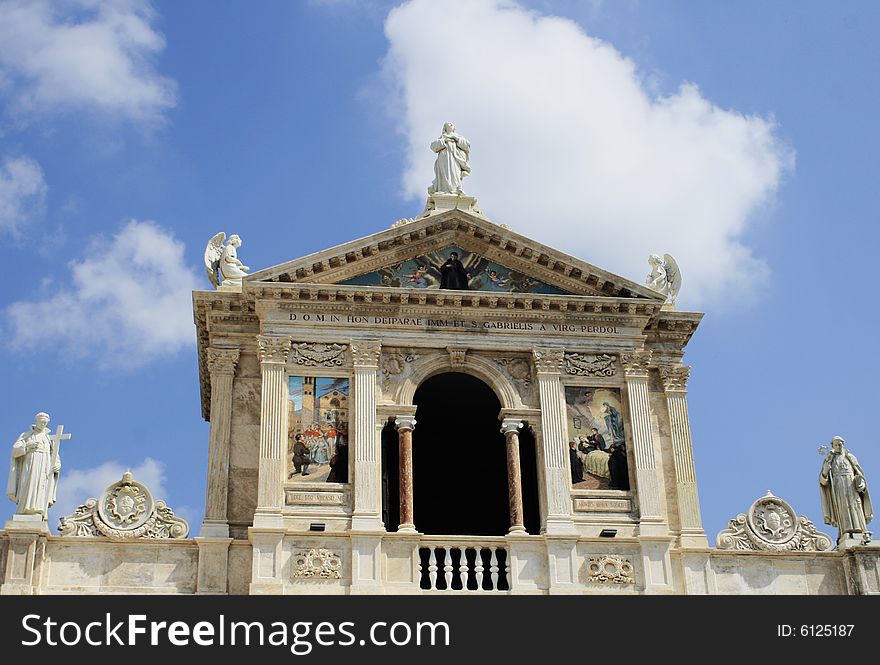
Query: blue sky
[741,137]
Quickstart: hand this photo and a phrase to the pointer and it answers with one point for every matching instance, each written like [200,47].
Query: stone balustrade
[464,565]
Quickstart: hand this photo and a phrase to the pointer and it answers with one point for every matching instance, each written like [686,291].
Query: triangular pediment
[410,255]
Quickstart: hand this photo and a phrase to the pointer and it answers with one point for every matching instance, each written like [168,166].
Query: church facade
[445,407]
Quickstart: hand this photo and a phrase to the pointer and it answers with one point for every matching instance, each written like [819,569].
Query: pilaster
[674,378]
[221,367]
[557,477]
[365,443]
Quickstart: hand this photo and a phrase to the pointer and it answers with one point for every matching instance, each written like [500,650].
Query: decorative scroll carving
[457,355]
[309,354]
[590,364]
[611,569]
[636,363]
[548,361]
[366,352]
[320,563]
[394,363]
[221,361]
[518,369]
[772,525]
[675,377]
[273,349]
[125,511]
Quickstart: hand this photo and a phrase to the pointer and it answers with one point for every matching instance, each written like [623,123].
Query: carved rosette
[308,354]
[317,563]
[548,361]
[591,364]
[273,349]
[125,510]
[675,377]
[518,369]
[636,363]
[771,525]
[221,361]
[611,569]
[366,352]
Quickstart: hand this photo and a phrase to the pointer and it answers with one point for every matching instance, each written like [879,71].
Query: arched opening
[459,458]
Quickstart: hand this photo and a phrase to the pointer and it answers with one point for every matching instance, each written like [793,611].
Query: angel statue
[221,261]
[665,277]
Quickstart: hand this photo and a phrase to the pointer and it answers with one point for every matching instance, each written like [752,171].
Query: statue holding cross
[34,469]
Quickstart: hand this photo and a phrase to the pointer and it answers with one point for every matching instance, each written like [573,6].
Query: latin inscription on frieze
[472,325]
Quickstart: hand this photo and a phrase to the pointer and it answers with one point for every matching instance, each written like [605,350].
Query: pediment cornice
[467,231]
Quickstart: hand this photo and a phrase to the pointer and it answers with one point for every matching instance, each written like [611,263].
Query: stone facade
[267,530]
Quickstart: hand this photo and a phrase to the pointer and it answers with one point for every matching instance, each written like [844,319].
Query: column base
[268,518]
[517,530]
[407,528]
[367,523]
[695,540]
[214,529]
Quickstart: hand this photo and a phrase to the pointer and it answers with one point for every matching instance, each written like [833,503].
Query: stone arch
[482,368]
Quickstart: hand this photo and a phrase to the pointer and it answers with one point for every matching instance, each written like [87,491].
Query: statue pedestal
[440,202]
[27,523]
[26,535]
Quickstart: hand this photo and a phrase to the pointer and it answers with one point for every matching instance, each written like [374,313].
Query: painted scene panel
[454,268]
[317,434]
[596,440]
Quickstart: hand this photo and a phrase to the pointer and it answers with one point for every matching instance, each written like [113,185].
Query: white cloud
[127,303]
[22,192]
[570,147]
[79,485]
[83,54]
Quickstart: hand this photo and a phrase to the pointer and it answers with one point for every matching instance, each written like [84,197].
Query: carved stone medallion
[772,525]
[124,511]
[611,569]
[393,364]
[519,369]
[317,562]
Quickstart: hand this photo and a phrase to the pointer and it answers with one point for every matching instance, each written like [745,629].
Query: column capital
[365,352]
[548,361]
[405,423]
[273,349]
[636,363]
[221,361]
[511,425]
[675,377]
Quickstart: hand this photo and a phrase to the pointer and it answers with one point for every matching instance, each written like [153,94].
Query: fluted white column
[367,514]
[635,367]
[273,426]
[557,477]
[405,426]
[221,366]
[674,380]
[510,427]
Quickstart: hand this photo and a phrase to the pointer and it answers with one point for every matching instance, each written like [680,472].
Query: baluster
[507,570]
[432,567]
[493,568]
[463,568]
[447,567]
[478,567]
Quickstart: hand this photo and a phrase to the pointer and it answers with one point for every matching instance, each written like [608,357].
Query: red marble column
[510,428]
[405,425]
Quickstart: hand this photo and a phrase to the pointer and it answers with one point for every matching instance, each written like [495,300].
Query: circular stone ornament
[126,505]
[773,520]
